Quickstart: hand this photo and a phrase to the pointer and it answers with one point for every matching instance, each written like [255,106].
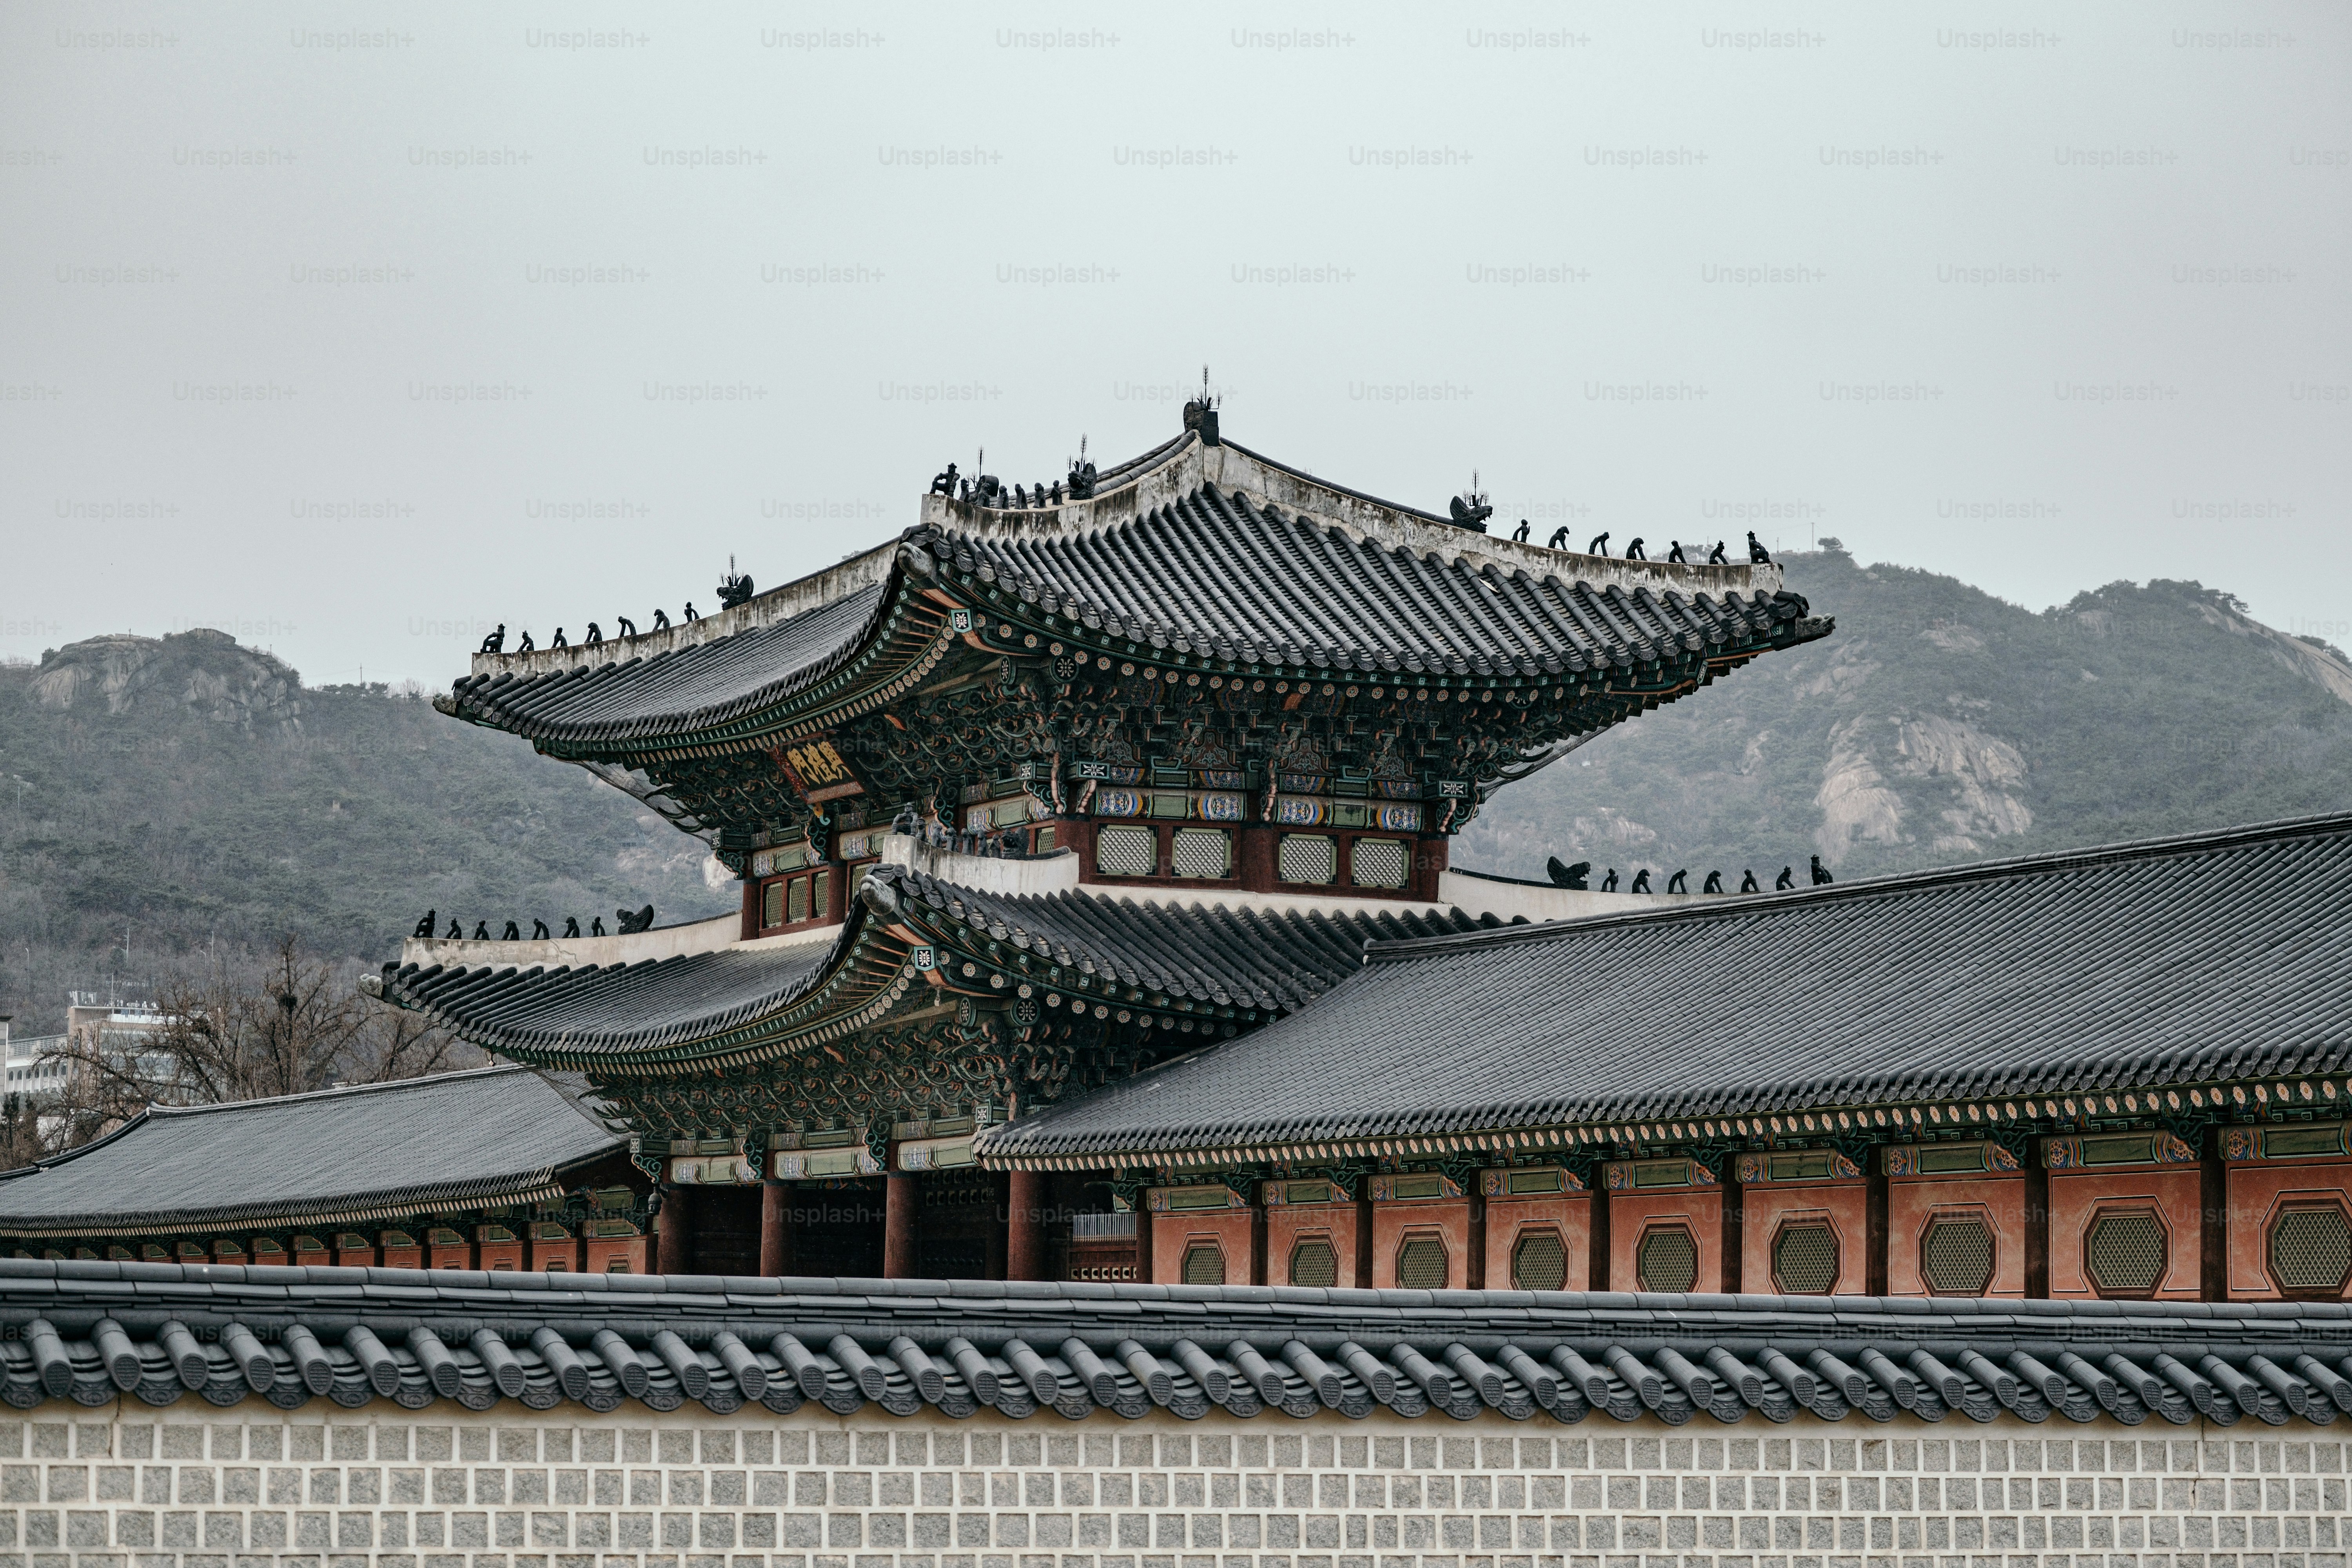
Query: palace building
[1098,926]
[1032,799]
[1111,1134]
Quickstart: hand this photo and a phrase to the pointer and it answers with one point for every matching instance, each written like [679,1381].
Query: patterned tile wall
[447,1488]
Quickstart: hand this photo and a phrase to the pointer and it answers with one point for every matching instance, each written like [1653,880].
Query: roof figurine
[734,589]
[1471,508]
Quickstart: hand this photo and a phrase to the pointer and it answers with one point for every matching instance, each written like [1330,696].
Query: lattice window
[2125,1253]
[771,904]
[1955,1255]
[1420,1264]
[2311,1251]
[1377,863]
[1313,1262]
[1804,1259]
[1202,852]
[1666,1258]
[1204,1264]
[1045,841]
[820,895]
[1307,857]
[796,906]
[1539,1262]
[1127,851]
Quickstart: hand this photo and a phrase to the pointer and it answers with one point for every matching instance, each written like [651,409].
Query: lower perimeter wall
[132,1487]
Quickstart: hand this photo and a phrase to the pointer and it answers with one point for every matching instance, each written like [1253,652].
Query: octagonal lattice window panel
[1420,1264]
[1313,1262]
[1804,1259]
[1540,1262]
[1204,1264]
[1377,863]
[1308,857]
[1202,852]
[2125,1253]
[1956,1256]
[1666,1258]
[1127,851]
[2311,1251]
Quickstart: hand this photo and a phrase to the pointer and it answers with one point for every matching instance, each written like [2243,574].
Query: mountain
[1940,724]
[184,792]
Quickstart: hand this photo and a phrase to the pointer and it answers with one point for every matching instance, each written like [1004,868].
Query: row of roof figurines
[998,843]
[1578,878]
[1470,509]
[734,589]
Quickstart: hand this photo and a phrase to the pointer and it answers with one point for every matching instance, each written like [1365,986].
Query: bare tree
[289,1025]
[21,1140]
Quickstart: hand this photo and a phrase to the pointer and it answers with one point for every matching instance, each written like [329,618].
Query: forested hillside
[183,793]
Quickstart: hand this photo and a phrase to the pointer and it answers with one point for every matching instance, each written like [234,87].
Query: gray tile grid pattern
[455,1489]
[1215,573]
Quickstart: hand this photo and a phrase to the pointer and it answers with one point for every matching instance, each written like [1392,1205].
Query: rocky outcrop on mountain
[203,670]
[1942,724]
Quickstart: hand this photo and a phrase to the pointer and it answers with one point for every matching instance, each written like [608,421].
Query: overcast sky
[354,331]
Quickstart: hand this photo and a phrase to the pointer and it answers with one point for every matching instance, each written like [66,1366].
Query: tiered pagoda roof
[1254,704]
[2130,980]
[1200,561]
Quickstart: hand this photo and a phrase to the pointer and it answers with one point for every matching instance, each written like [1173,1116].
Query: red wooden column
[901,1221]
[1025,1240]
[775,1229]
[677,1232]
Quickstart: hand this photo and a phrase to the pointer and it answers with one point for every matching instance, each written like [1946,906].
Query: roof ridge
[2120,852]
[344,1089]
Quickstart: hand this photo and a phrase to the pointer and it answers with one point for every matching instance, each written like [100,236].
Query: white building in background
[38,1065]
[34,1066]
